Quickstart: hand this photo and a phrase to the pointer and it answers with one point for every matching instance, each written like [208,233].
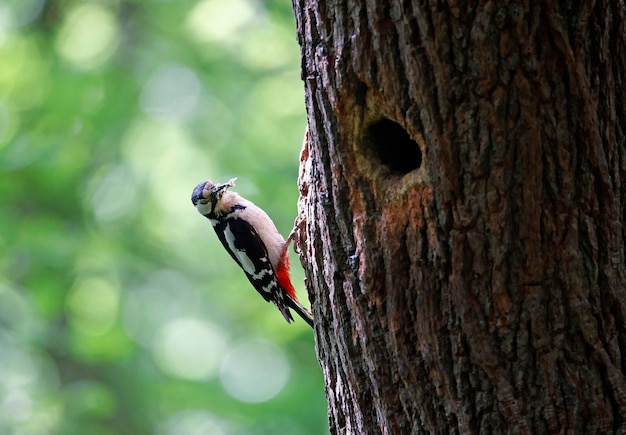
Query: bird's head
[207,194]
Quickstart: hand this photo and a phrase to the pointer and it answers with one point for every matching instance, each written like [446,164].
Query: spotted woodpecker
[251,238]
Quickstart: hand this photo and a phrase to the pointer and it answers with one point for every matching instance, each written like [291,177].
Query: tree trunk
[464,186]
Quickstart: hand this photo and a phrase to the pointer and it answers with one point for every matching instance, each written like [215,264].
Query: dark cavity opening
[393,146]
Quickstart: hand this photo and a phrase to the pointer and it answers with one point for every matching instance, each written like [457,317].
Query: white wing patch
[262,273]
[268,288]
[243,258]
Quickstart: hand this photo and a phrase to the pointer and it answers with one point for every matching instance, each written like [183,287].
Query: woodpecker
[252,240]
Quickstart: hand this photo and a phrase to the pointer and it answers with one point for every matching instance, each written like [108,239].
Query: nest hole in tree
[392,145]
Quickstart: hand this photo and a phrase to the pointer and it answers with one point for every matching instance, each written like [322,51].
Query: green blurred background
[120,313]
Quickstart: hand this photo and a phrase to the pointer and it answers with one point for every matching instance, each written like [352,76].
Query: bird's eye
[203,201]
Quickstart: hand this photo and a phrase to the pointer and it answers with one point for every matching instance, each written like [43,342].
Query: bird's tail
[300,309]
[282,273]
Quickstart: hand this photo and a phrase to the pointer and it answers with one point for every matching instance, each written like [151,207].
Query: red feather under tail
[284,280]
[282,274]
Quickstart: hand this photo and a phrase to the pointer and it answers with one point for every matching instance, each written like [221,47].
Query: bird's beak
[219,190]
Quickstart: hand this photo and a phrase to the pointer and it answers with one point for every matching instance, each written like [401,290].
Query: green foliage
[119,311]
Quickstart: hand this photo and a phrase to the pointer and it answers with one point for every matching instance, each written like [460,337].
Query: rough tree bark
[464,188]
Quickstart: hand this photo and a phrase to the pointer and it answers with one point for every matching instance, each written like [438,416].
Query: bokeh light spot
[19,369]
[89,36]
[6,23]
[226,18]
[264,49]
[16,314]
[114,194]
[255,371]
[189,348]
[25,376]
[171,93]
[165,295]
[93,305]
[25,74]
[17,405]
[25,11]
